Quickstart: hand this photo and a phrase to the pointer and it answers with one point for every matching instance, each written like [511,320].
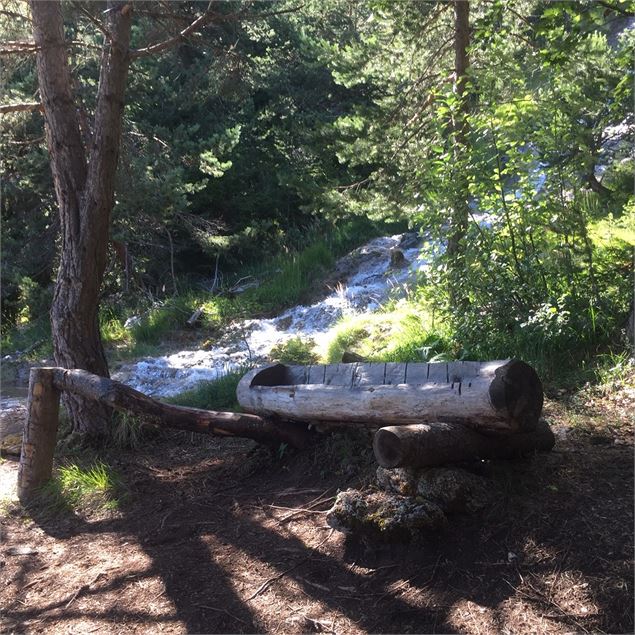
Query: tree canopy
[250,124]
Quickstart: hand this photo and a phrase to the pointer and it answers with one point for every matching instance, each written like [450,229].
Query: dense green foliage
[265,146]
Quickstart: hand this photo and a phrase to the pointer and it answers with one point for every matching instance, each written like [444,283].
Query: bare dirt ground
[214,536]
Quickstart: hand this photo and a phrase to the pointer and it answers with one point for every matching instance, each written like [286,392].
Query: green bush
[295,351]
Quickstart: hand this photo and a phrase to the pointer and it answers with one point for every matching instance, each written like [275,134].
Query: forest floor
[218,536]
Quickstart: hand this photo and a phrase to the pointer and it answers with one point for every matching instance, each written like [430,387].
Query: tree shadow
[558,517]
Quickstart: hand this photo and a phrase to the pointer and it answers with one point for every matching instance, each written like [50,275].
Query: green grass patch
[293,277]
[295,351]
[127,431]
[212,395]
[76,488]
[402,333]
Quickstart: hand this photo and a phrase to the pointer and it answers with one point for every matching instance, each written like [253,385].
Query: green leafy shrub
[295,351]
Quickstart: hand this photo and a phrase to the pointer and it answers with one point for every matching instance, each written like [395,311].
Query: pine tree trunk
[84,186]
[460,194]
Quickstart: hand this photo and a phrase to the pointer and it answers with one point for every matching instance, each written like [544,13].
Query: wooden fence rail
[47,384]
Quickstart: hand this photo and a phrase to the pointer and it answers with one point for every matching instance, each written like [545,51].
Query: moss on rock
[383,515]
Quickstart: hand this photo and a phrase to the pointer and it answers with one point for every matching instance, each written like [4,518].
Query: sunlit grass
[78,488]
[291,277]
[212,395]
[295,351]
[403,333]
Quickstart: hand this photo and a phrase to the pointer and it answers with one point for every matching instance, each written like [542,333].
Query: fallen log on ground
[434,444]
[503,396]
[46,384]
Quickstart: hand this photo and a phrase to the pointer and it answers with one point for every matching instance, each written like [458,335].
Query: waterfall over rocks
[361,282]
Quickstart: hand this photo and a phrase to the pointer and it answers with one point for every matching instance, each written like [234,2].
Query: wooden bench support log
[433,444]
[40,432]
[225,424]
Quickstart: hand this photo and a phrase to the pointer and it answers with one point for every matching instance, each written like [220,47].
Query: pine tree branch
[200,22]
[616,8]
[23,107]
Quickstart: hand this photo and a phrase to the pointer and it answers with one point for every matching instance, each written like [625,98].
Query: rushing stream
[367,277]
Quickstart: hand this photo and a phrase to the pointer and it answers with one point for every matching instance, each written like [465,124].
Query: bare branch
[24,107]
[199,23]
[17,46]
[95,21]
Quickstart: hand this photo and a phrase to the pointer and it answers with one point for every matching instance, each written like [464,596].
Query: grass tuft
[295,351]
[96,487]
[403,333]
[212,395]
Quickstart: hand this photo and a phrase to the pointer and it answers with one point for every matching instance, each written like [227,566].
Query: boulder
[454,490]
[383,515]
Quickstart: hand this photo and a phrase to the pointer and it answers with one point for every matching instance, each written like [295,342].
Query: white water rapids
[366,281]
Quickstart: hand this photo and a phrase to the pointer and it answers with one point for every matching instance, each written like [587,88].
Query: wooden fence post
[40,433]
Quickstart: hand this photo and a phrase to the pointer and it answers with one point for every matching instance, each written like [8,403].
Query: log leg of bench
[40,433]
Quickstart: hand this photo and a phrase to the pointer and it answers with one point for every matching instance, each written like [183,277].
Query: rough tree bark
[459,129]
[84,186]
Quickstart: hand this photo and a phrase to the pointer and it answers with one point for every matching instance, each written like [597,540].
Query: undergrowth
[74,487]
[402,332]
[213,395]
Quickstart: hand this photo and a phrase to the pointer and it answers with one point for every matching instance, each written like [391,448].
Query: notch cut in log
[500,396]
[433,444]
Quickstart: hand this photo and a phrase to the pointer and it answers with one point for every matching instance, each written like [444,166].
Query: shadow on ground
[554,553]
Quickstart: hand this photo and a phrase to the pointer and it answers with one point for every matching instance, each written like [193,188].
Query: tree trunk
[460,193]
[428,445]
[501,396]
[85,192]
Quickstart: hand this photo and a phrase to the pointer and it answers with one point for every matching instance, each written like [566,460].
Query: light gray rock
[12,419]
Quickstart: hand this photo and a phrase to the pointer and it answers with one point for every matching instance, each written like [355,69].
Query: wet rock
[397,259]
[12,419]
[284,323]
[409,240]
[383,515]
[348,357]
